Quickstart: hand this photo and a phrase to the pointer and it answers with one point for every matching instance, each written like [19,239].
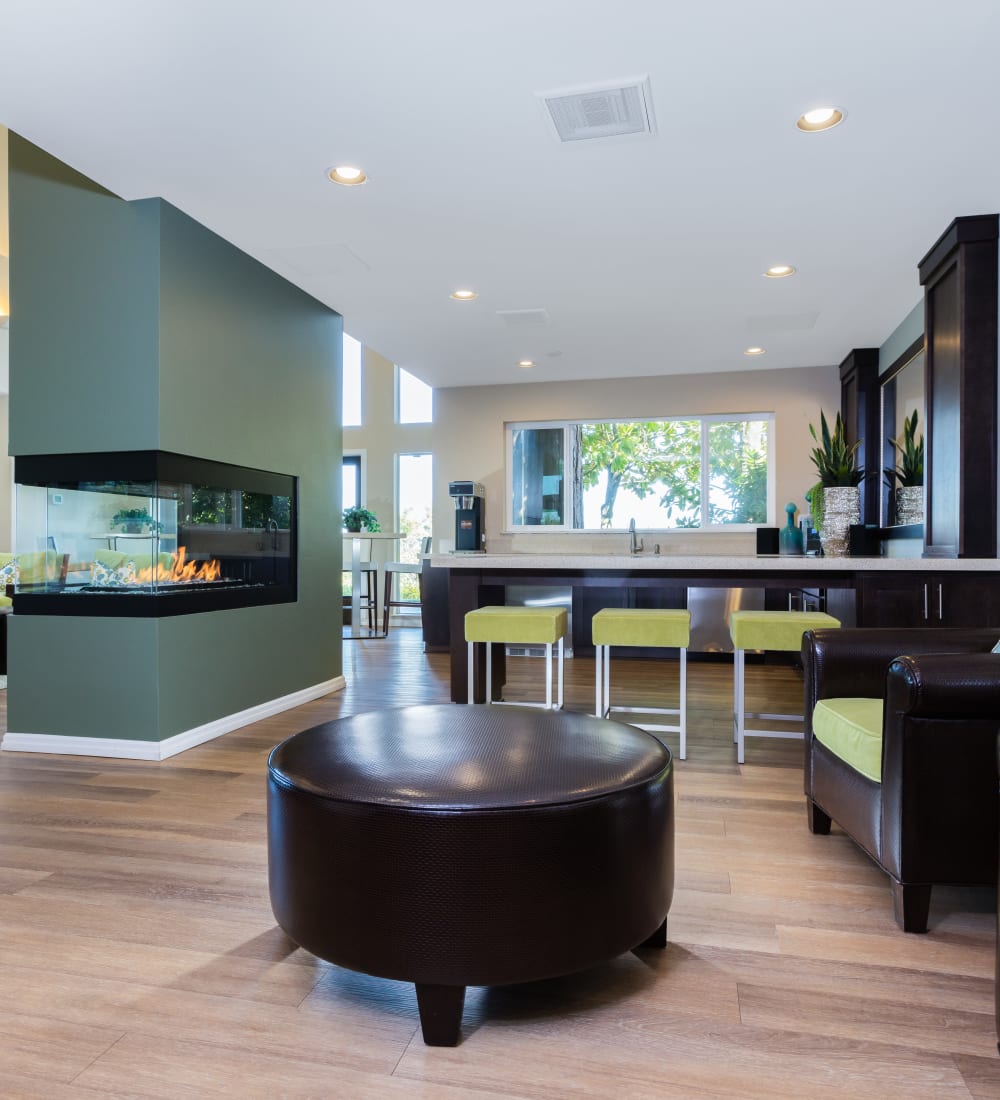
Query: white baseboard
[160,750]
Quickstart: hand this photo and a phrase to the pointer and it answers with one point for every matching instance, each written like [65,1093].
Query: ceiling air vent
[520,317]
[601,111]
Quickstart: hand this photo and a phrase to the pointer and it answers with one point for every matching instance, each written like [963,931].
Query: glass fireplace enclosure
[150,533]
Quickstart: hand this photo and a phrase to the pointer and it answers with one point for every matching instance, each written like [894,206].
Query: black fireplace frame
[68,471]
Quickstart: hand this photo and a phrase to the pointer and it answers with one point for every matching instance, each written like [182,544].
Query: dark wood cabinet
[959,276]
[929,599]
[859,406]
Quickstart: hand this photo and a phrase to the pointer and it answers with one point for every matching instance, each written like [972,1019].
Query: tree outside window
[662,473]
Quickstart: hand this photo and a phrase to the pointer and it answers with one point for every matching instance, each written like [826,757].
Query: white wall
[469,441]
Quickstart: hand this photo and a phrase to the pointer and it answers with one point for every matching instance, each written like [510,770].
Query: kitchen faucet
[634,544]
[272,526]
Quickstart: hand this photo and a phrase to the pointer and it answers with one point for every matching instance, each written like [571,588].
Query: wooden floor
[139,956]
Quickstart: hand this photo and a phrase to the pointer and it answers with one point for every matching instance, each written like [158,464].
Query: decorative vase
[841,508]
[790,540]
[910,504]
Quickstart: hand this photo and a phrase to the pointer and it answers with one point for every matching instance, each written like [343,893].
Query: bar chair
[397,568]
[518,626]
[369,580]
[780,631]
[642,626]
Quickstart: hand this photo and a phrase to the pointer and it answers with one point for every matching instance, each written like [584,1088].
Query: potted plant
[835,500]
[132,521]
[360,519]
[908,473]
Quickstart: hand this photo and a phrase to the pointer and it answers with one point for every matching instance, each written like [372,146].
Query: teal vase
[790,538]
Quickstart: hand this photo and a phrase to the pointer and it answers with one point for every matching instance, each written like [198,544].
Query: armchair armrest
[939,783]
[945,685]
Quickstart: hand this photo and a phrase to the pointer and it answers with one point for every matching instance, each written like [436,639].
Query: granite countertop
[704,563]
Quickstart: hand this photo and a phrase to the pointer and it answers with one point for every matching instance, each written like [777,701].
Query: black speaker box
[863,541]
[767,540]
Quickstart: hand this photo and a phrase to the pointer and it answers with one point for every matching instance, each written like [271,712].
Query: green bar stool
[641,626]
[518,626]
[775,630]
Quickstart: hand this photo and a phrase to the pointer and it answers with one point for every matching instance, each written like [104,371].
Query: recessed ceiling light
[820,118]
[754,351]
[779,271]
[347,175]
[464,295]
[525,362]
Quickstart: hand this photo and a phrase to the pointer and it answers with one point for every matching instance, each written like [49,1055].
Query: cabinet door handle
[925,601]
[940,605]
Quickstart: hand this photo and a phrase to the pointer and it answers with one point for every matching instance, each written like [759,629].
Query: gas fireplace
[150,533]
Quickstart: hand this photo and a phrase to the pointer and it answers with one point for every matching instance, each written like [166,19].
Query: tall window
[351,474]
[351,413]
[696,472]
[414,476]
[414,399]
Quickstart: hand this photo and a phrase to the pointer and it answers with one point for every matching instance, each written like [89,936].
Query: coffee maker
[470,538]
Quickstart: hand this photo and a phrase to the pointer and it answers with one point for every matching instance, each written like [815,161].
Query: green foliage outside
[664,457]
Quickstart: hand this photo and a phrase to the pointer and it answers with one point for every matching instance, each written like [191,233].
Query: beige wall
[469,441]
[381,438]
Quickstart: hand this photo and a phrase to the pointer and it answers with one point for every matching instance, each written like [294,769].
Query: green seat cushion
[642,626]
[6,601]
[778,630]
[523,625]
[852,730]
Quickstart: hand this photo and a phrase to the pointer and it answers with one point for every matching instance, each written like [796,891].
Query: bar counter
[866,591]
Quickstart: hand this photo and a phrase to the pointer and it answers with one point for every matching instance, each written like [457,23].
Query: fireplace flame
[180,571]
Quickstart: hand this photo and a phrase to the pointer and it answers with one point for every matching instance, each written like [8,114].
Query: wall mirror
[903,393]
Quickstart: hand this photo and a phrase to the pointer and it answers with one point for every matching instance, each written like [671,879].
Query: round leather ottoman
[470,845]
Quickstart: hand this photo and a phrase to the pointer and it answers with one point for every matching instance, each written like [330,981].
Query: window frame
[705,421]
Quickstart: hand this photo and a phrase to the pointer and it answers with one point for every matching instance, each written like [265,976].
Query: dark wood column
[959,276]
[859,406]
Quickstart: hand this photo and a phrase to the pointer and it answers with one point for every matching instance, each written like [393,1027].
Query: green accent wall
[156,333]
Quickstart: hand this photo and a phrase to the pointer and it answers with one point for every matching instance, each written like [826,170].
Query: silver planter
[841,508]
[910,504]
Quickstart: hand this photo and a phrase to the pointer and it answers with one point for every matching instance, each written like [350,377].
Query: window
[414,476]
[414,399]
[692,472]
[351,474]
[351,411]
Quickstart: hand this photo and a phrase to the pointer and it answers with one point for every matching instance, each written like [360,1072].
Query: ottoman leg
[657,939]
[440,1013]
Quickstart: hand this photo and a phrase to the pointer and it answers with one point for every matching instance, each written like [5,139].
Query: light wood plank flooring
[139,956]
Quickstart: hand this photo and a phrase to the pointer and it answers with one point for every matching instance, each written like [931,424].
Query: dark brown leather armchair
[933,817]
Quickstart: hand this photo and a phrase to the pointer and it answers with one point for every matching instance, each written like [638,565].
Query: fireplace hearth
[150,534]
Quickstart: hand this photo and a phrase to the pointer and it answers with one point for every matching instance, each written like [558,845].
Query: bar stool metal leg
[598,682]
[548,675]
[683,715]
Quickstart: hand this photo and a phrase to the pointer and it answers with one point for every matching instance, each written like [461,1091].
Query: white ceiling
[645,253]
